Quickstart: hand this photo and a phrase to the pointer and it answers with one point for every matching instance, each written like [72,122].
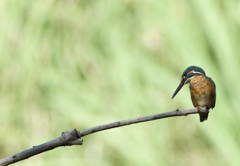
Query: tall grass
[77,64]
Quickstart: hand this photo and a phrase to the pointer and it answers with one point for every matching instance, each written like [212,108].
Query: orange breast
[202,91]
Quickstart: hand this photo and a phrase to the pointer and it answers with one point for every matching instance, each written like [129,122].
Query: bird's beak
[178,88]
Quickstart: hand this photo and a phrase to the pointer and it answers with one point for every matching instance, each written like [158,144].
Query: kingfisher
[202,89]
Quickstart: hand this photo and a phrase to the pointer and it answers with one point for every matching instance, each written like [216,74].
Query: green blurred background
[77,64]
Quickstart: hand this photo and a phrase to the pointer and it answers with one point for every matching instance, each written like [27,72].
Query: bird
[202,89]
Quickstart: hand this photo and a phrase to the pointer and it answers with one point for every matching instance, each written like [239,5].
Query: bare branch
[69,138]
[140,119]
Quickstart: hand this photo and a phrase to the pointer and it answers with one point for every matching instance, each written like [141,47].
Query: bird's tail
[203,116]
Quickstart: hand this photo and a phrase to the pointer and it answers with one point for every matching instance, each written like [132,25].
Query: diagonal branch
[70,138]
[140,120]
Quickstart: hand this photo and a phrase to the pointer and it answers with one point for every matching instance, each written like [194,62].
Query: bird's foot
[198,108]
[203,109]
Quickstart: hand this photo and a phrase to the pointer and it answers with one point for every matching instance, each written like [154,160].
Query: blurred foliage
[77,64]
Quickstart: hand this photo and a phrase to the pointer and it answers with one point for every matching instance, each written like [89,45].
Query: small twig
[72,137]
[67,138]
